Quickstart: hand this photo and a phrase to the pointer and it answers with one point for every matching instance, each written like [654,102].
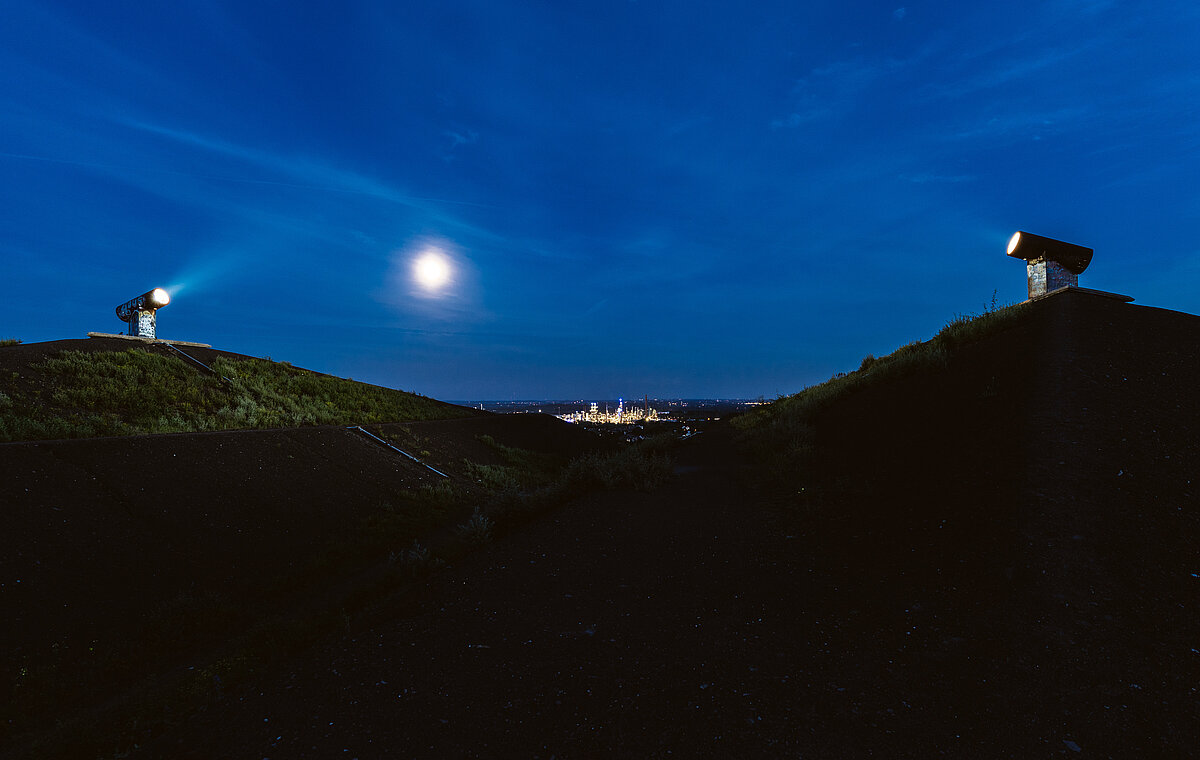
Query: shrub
[415,560]
[493,477]
[477,530]
[968,328]
[534,466]
[634,467]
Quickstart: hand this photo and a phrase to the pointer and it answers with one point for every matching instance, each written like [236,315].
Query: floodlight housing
[139,312]
[1033,248]
[1050,264]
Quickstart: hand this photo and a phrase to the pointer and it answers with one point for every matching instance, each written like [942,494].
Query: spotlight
[1074,258]
[138,312]
[1050,264]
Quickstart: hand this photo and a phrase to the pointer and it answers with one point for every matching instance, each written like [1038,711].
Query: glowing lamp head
[158,297]
[1013,242]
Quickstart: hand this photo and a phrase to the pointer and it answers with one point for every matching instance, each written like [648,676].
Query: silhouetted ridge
[1035,499]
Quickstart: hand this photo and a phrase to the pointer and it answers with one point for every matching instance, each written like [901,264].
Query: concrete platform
[140,339]
[1089,291]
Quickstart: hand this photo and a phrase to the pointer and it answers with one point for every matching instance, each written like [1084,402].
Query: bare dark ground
[1003,563]
[989,581]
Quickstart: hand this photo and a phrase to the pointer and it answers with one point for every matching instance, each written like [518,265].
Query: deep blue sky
[663,198]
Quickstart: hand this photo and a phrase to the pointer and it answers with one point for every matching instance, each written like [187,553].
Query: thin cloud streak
[312,176]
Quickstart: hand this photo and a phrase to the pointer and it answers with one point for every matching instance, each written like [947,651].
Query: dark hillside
[127,559]
[1113,520]
[990,550]
[1028,517]
[98,529]
[990,554]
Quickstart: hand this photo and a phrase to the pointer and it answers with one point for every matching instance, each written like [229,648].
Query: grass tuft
[415,560]
[476,531]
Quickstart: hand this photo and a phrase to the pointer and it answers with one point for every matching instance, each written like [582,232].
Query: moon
[432,270]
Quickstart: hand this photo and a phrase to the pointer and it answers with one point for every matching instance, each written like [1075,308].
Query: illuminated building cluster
[622,415]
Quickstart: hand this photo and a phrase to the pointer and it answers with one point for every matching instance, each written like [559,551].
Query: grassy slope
[75,394]
[782,435]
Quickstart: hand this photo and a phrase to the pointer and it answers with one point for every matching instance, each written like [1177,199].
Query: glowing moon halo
[432,270]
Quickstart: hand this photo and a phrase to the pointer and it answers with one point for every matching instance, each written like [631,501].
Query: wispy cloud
[930,177]
[687,124]
[596,307]
[831,90]
[798,119]
[1033,125]
[1031,53]
[458,137]
[1001,71]
[303,172]
[342,225]
[1077,8]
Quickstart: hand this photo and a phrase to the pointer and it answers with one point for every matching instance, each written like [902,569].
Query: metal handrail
[197,361]
[397,450]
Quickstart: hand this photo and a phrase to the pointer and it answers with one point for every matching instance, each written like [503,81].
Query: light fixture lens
[160,297]
[1014,241]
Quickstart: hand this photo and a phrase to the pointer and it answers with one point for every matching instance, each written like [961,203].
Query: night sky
[620,198]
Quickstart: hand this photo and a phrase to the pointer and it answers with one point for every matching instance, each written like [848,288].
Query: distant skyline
[495,200]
